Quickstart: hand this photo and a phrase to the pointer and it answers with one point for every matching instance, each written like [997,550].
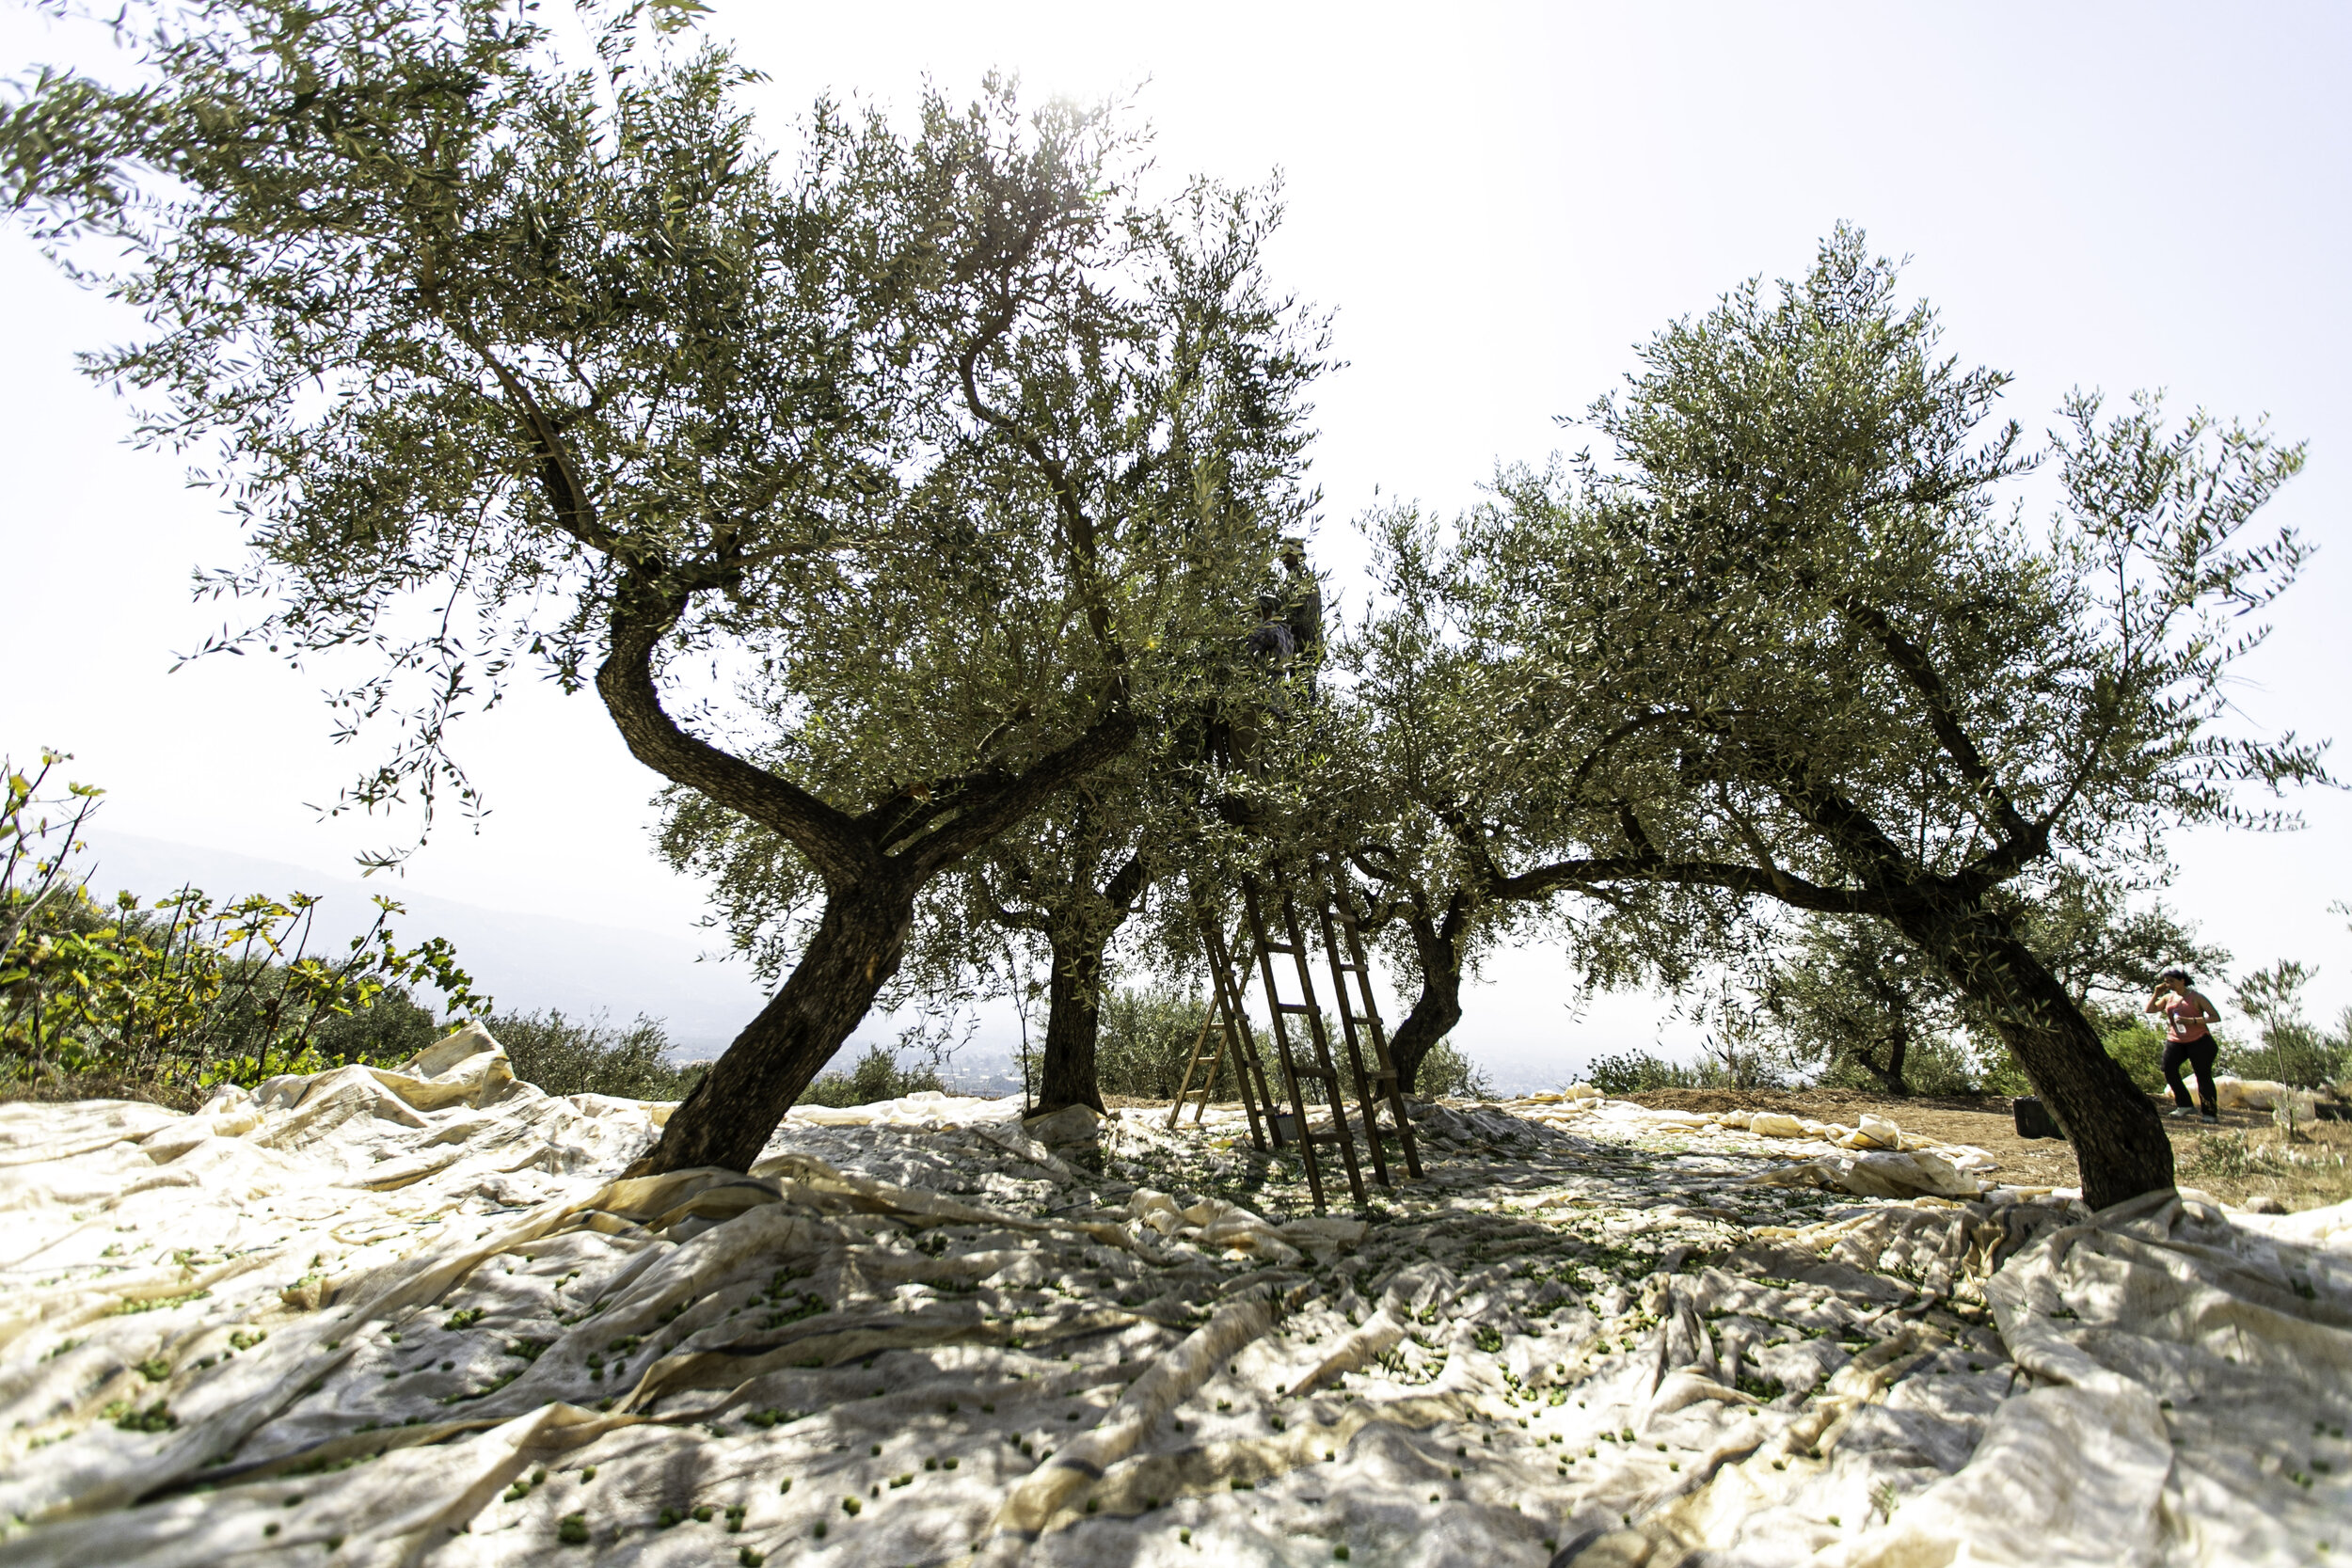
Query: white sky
[1498,201]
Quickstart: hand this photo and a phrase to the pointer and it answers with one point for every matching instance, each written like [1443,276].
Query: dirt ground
[2245,1158]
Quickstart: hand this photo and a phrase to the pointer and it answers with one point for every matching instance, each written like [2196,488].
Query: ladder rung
[1292,1008]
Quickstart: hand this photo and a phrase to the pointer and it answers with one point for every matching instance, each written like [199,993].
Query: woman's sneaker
[2210,1120]
[2182,1111]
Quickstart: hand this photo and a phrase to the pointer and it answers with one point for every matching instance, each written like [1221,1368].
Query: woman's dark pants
[2200,1054]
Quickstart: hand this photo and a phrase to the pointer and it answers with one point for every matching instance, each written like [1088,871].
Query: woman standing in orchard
[2186,1038]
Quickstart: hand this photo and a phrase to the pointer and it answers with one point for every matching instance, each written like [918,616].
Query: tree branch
[1729,875]
[567,493]
[1016,920]
[1908,657]
[641,615]
[1856,833]
[1078,527]
[997,810]
[1457,913]
[1754,840]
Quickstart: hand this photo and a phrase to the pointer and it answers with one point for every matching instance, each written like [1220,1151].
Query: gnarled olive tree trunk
[1077,932]
[1073,1018]
[1437,944]
[2120,1142]
[728,1117]
[1897,1043]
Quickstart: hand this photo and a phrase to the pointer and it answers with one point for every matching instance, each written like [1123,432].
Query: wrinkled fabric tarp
[417,1317]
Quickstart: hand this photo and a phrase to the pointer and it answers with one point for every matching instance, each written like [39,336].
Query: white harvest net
[377,1318]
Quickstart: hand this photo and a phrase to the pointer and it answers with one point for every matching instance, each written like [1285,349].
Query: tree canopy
[901,495]
[1786,644]
[936,445]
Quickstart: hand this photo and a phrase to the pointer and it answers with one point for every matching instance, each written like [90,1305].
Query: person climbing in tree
[2186,1038]
[1301,601]
[1288,645]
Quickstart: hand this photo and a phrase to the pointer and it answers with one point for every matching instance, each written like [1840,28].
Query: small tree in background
[1397,793]
[1855,996]
[1148,1032]
[1436,800]
[2290,1050]
[1069,877]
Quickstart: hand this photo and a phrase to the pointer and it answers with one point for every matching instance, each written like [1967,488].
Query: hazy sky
[1498,201]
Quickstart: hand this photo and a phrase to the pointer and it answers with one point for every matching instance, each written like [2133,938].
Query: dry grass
[2245,1158]
[2237,1164]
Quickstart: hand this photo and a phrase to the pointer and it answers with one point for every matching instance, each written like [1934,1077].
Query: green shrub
[1145,1039]
[1639,1072]
[876,1076]
[2291,1051]
[392,1029]
[1943,1067]
[1447,1075]
[167,1000]
[2138,1046]
[1645,1071]
[2003,1076]
[565,1056]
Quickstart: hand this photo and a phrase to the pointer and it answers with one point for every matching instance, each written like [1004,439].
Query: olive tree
[1857,992]
[1398,788]
[1786,644]
[1074,874]
[1064,881]
[1070,877]
[933,441]
[1434,800]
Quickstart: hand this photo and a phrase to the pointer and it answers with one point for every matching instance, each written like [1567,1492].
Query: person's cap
[2180,974]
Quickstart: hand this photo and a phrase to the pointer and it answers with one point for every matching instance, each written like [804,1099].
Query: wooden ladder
[1230,1021]
[1321,1070]
[1359,1020]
